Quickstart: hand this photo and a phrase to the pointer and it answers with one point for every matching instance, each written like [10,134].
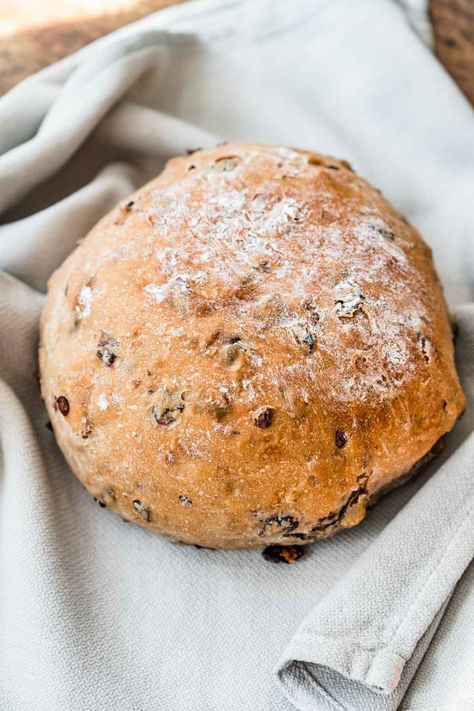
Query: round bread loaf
[248,350]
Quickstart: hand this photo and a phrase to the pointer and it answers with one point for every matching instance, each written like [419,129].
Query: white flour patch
[158,293]
[84,301]
[396,354]
[177,284]
[348,298]
[305,270]
[102,402]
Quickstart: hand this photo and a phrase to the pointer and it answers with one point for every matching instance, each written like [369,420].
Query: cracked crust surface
[248,349]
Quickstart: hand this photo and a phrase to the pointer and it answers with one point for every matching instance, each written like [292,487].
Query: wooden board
[36,33]
[453,26]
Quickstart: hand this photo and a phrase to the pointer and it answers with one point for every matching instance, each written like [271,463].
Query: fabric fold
[383,613]
[103,79]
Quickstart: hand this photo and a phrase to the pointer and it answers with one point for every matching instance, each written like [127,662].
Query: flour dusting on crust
[248,350]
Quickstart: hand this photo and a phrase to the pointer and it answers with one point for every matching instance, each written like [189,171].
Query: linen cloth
[99,614]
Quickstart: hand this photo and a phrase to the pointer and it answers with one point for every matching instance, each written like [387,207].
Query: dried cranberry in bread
[248,350]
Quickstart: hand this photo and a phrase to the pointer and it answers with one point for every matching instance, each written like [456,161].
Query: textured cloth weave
[99,614]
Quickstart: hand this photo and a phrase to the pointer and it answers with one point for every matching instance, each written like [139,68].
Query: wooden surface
[35,33]
[453,26]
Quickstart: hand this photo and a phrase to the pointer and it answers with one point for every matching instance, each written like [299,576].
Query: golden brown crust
[249,349]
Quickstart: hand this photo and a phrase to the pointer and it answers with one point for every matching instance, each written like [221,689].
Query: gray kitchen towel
[99,614]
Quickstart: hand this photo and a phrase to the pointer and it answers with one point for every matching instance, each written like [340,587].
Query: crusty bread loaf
[248,349]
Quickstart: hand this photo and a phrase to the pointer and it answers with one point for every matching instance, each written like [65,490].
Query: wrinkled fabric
[99,614]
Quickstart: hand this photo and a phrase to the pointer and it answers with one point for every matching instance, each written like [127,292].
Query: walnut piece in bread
[248,350]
